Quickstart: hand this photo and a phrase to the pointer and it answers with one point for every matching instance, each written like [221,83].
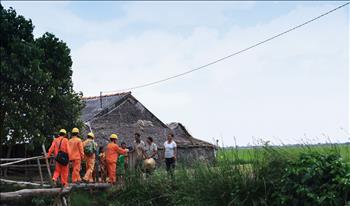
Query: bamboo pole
[22,160]
[28,166]
[47,165]
[22,183]
[25,163]
[9,159]
[40,172]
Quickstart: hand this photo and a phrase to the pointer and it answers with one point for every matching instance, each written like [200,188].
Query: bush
[315,179]
[273,177]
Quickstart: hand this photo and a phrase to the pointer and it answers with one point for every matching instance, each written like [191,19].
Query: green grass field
[300,175]
[247,155]
[303,175]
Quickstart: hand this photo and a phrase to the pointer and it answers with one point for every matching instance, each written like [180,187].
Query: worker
[76,154]
[112,153]
[60,143]
[90,147]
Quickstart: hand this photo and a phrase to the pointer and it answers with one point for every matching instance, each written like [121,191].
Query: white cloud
[293,85]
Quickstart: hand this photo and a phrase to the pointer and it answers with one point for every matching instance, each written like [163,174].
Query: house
[124,115]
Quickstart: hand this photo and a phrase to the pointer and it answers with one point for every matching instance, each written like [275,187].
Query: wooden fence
[29,167]
[13,163]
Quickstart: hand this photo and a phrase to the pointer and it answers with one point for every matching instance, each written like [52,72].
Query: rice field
[247,155]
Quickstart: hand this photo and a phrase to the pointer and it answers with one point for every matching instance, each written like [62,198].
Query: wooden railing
[45,189]
[12,161]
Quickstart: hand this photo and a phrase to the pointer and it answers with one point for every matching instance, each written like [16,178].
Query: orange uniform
[76,154]
[90,163]
[60,170]
[112,153]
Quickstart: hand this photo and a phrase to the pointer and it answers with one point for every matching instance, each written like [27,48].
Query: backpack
[90,148]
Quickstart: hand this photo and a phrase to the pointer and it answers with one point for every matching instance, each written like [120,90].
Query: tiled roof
[93,104]
[103,126]
[181,132]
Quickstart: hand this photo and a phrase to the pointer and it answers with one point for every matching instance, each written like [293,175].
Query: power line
[231,55]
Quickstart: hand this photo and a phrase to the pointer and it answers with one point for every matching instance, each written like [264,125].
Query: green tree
[37,96]
[64,104]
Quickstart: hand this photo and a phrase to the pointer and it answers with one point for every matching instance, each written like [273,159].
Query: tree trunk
[9,196]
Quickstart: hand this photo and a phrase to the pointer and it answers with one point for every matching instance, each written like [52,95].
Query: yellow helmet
[75,130]
[114,136]
[90,134]
[63,131]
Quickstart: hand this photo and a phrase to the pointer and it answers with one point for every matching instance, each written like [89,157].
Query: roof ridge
[106,95]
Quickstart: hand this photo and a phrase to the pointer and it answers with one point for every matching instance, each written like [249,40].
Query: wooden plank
[40,172]
[47,165]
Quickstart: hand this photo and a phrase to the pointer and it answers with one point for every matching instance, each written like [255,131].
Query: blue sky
[294,89]
[260,12]
[265,11]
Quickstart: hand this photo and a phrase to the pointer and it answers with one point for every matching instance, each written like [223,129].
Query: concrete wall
[194,155]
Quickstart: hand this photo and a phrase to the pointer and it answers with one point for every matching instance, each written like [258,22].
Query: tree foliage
[37,96]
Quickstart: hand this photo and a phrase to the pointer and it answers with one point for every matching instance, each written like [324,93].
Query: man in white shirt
[170,152]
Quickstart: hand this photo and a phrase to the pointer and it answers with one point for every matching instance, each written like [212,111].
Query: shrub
[315,179]
[273,177]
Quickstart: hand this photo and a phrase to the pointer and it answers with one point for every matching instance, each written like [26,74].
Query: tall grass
[246,155]
[273,176]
